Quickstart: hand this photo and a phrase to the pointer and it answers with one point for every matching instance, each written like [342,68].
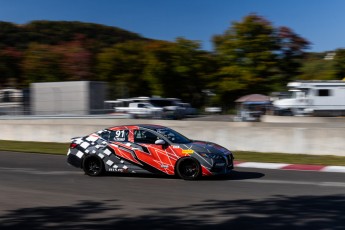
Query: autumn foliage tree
[77,60]
[290,55]
[41,64]
[63,62]
[54,50]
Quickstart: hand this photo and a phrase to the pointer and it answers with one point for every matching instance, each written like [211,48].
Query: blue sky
[322,22]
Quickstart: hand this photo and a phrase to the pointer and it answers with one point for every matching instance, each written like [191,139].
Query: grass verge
[34,147]
[289,158]
[61,148]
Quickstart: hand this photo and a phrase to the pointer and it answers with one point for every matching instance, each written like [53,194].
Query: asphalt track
[40,191]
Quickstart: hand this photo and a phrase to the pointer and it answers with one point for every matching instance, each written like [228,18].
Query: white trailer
[315,97]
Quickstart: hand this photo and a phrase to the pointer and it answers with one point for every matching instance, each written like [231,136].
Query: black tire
[188,169]
[93,166]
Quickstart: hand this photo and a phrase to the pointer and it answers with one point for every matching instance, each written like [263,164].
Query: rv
[315,97]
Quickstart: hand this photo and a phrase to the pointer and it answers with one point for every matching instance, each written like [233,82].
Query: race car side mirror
[159,142]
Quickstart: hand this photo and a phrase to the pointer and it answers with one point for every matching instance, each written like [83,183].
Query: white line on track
[339,169]
[323,184]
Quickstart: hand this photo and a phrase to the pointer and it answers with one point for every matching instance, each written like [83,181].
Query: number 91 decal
[121,135]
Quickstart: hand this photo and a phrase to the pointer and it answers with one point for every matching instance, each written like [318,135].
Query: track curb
[284,166]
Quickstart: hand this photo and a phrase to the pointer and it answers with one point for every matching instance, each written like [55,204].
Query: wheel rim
[189,169]
[93,166]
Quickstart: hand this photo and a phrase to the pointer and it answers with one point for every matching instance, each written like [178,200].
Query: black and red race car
[148,149]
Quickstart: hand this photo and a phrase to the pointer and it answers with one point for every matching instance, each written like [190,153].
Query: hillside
[54,32]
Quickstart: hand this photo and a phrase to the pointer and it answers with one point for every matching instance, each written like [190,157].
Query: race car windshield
[173,136]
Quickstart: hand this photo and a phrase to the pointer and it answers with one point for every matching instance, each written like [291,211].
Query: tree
[247,57]
[178,69]
[158,68]
[122,65]
[339,60]
[316,67]
[192,67]
[76,62]
[42,64]
[11,35]
[290,55]
[56,32]
[10,60]
[55,50]
[254,57]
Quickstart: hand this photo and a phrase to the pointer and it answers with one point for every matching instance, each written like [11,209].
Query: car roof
[147,126]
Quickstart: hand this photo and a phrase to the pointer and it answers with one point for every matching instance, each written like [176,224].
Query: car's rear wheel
[188,168]
[93,166]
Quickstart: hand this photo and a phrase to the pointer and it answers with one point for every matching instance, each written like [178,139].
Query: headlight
[211,155]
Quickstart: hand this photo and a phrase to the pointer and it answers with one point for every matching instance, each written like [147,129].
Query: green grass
[34,147]
[289,158]
[61,148]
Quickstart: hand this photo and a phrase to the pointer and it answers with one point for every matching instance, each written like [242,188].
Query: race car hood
[206,147]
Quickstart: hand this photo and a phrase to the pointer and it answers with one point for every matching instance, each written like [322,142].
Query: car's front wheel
[188,168]
[93,166]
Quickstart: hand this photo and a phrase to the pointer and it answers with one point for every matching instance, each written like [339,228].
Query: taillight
[73,145]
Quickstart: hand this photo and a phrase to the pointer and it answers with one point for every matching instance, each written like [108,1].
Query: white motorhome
[315,97]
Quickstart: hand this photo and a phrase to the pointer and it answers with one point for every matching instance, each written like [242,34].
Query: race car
[148,149]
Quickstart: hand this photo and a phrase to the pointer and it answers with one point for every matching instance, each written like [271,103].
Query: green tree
[316,67]
[158,68]
[10,60]
[178,69]
[12,35]
[122,65]
[247,57]
[339,60]
[255,57]
[192,67]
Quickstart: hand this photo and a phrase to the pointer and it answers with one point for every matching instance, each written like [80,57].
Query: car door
[147,150]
